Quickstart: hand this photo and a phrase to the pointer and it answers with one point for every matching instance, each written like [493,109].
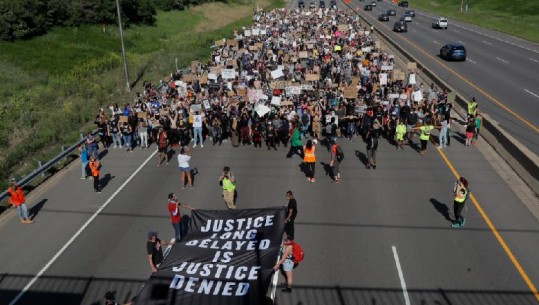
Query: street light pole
[128,87]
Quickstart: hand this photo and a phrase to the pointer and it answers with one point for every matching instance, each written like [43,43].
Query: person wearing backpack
[286,264]
[337,156]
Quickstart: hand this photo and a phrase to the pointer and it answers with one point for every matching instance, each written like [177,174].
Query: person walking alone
[175,215]
[83,160]
[16,198]
[228,182]
[185,170]
[335,161]
[372,147]
[291,213]
[94,169]
[295,143]
[460,190]
[310,160]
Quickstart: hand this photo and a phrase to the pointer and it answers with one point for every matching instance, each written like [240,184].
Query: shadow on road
[105,180]
[36,208]
[441,208]
[362,157]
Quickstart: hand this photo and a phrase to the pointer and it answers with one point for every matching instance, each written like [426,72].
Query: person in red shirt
[16,198]
[175,215]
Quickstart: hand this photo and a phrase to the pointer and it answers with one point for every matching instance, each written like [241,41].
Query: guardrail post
[63,149]
[81,136]
[41,165]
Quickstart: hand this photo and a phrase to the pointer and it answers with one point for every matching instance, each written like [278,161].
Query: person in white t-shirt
[197,129]
[183,164]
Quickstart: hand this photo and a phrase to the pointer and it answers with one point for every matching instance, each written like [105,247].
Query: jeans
[127,140]
[143,138]
[197,131]
[442,137]
[177,232]
[116,139]
[92,150]
[83,167]
[22,211]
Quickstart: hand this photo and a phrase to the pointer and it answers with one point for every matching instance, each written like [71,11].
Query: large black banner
[226,259]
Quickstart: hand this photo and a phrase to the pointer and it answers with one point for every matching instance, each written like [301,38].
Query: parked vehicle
[453,51]
[383,17]
[373,3]
[403,4]
[391,13]
[400,26]
[439,23]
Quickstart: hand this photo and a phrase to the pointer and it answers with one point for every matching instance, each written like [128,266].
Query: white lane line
[414,31]
[401,276]
[86,224]
[502,60]
[436,42]
[489,43]
[460,42]
[531,93]
[456,31]
[533,59]
[473,62]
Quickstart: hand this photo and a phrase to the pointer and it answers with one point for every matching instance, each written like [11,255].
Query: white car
[439,23]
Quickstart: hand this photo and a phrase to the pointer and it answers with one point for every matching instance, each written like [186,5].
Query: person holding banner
[228,182]
[174,206]
[286,265]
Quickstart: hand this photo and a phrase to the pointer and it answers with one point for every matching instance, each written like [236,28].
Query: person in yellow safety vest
[460,190]
[472,108]
[424,135]
[400,130]
[16,198]
[228,183]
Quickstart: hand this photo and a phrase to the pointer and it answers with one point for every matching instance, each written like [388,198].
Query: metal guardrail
[44,167]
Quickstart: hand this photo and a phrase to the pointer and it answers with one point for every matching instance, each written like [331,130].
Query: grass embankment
[52,86]
[515,17]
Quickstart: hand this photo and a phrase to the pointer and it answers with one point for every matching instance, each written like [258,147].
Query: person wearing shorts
[286,265]
[185,170]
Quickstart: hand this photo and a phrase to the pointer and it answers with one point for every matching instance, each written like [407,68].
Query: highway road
[379,237]
[501,71]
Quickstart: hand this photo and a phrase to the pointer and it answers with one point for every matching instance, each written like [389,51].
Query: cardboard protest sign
[312,77]
[188,78]
[303,54]
[411,66]
[203,79]
[279,84]
[350,92]
[231,42]
[259,45]
[212,76]
[386,68]
[242,92]
[397,75]
[228,73]
[342,27]
[377,44]
[451,96]
[163,112]
[196,107]
[261,109]
[219,43]
[142,115]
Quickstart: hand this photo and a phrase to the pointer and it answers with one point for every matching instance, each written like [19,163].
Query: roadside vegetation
[52,86]
[518,18]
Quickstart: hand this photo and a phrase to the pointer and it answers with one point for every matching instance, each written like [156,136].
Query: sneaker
[82,178]
[195,145]
[192,187]
[201,145]
[455,225]
[374,167]
[463,221]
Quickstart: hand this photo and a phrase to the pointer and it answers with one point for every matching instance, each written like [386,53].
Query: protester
[197,129]
[95,167]
[295,144]
[460,190]
[424,136]
[309,158]
[154,250]
[162,146]
[175,215]
[400,130]
[83,160]
[291,213]
[91,144]
[286,265]
[16,198]
[372,147]
[228,182]
[185,169]
[335,162]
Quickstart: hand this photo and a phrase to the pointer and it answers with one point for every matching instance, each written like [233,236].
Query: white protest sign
[212,76]
[261,110]
[386,68]
[277,73]
[293,90]
[228,73]
[276,100]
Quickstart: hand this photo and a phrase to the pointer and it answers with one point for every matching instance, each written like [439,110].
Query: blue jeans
[116,139]
[177,232]
[22,211]
[83,167]
[92,150]
[127,140]
[197,131]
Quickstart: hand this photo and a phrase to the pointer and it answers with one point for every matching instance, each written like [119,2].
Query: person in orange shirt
[310,160]
[16,198]
[94,169]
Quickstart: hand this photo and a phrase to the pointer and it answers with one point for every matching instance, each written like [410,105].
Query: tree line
[23,19]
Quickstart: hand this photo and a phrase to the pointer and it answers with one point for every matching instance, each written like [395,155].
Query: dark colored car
[410,12]
[333,4]
[391,13]
[400,26]
[383,17]
[453,51]
[367,7]
[406,18]
[322,4]
[301,4]
[312,4]
[403,4]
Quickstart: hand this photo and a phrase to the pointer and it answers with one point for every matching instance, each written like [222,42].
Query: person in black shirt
[291,212]
[155,251]
[372,146]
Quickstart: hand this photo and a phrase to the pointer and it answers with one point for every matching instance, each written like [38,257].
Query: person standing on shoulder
[83,160]
[175,215]
[94,169]
[291,213]
[472,108]
[460,190]
[228,182]
[16,198]
[310,160]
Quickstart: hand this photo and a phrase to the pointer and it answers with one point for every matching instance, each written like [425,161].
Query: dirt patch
[218,14]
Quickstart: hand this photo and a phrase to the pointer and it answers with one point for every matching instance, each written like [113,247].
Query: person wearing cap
[175,215]
[155,250]
[16,198]
[228,182]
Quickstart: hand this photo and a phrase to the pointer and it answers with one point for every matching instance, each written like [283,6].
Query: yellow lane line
[494,231]
[488,96]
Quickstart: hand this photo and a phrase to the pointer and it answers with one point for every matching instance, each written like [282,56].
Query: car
[439,23]
[322,4]
[333,4]
[403,3]
[453,51]
[312,4]
[406,18]
[391,13]
[400,26]
[373,3]
[410,12]
[301,4]
[383,17]
[367,7]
